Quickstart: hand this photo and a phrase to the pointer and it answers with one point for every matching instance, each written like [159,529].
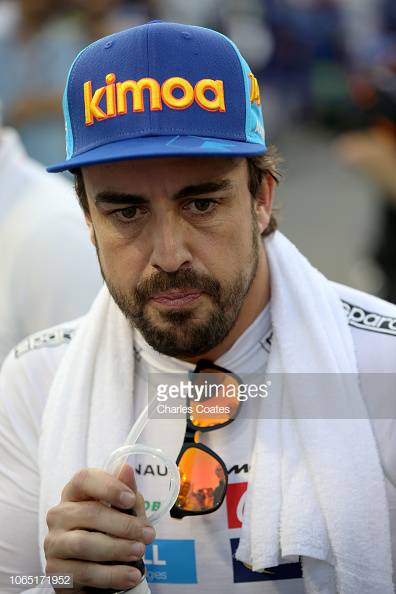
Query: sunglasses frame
[189,442]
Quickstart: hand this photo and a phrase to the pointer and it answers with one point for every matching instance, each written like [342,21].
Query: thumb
[127,476]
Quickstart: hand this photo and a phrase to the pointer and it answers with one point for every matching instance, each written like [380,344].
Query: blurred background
[327,70]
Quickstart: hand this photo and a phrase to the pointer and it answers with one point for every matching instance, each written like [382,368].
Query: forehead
[171,172]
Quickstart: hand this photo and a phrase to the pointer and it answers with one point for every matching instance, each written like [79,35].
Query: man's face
[178,241]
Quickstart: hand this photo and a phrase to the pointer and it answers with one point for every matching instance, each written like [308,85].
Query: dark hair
[258,168]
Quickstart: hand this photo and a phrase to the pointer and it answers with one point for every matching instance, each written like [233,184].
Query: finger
[127,476]
[93,483]
[85,573]
[93,515]
[95,546]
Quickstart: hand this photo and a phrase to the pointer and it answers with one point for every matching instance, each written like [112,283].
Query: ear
[263,202]
[91,229]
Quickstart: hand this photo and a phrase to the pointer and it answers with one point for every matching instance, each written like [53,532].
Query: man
[48,271]
[166,139]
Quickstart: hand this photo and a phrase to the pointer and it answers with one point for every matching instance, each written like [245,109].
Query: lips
[177,297]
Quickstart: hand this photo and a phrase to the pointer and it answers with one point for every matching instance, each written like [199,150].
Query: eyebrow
[113,197]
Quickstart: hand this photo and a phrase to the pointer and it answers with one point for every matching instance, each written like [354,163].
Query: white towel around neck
[316,487]
[299,501]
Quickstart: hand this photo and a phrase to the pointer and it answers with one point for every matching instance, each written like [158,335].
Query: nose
[170,250]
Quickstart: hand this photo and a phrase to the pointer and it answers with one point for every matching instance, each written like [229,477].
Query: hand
[84,533]
[374,153]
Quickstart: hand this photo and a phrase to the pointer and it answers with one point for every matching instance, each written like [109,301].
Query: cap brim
[160,146]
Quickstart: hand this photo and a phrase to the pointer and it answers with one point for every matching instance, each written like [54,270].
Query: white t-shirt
[48,268]
[194,554]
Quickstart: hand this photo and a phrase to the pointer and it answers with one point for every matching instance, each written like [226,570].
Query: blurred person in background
[372,150]
[37,43]
[369,144]
[35,51]
[48,269]
[326,56]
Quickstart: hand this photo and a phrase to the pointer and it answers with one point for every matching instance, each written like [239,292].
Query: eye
[129,214]
[201,206]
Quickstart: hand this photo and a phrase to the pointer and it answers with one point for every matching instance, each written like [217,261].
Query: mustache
[181,279]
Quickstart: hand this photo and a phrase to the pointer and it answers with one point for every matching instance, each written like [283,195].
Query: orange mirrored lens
[202,479]
[219,403]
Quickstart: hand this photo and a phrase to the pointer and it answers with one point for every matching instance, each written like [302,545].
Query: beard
[185,332]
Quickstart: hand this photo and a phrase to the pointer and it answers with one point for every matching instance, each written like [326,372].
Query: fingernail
[148,534]
[134,576]
[127,499]
[137,549]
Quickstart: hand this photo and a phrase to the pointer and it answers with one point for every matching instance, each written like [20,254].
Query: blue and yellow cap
[157,90]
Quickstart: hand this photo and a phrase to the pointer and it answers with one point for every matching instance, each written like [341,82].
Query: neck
[254,303]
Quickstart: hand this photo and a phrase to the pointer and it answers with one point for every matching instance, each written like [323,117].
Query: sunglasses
[203,475]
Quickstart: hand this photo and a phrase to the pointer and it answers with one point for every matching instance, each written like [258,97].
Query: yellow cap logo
[117,94]
[254,90]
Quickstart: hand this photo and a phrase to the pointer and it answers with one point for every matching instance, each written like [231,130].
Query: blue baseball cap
[157,90]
